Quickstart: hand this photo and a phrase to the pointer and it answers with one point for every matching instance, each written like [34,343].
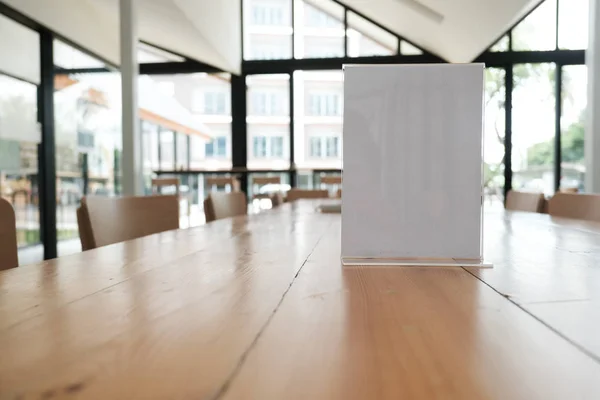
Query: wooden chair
[223,182]
[107,220]
[331,180]
[159,183]
[276,199]
[339,194]
[8,236]
[219,205]
[524,201]
[570,190]
[295,194]
[577,206]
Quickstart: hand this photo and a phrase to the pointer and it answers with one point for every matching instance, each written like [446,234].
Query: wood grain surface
[258,307]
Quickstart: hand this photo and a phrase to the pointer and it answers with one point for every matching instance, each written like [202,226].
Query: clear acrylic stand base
[415,262]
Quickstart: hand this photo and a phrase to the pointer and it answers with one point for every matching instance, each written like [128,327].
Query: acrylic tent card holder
[412,154]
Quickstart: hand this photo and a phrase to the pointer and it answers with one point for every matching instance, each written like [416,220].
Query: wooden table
[258,307]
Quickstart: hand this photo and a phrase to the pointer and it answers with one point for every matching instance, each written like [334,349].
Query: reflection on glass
[19,135]
[533,127]
[538,30]
[573,16]
[88,140]
[268,121]
[267,29]
[318,107]
[572,126]
[494,136]
[367,39]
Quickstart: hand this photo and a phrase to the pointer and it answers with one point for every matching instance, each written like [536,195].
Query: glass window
[573,17]
[319,29]
[572,124]
[538,30]
[268,102]
[277,146]
[325,147]
[66,56]
[198,105]
[332,148]
[367,39]
[315,147]
[149,151]
[268,121]
[19,50]
[494,136]
[533,127]
[267,29]
[408,49]
[167,150]
[501,45]
[215,103]
[217,147]
[260,146]
[182,150]
[88,133]
[318,108]
[325,104]
[19,136]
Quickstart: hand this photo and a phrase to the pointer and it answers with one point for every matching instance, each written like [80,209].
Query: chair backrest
[524,201]
[86,236]
[223,181]
[570,190]
[8,236]
[574,205]
[339,194]
[219,205]
[159,183]
[295,194]
[107,220]
[265,180]
[331,180]
[276,199]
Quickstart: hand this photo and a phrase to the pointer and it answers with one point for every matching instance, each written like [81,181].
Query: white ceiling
[209,30]
[466,27]
[203,30]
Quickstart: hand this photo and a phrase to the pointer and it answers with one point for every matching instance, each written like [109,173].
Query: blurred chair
[260,181]
[219,205]
[339,194]
[570,190]
[159,183]
[295,194]
[8,236]
[333,183]
[107,220]
[524,201]
[577,206]
[223,182]
[276,199]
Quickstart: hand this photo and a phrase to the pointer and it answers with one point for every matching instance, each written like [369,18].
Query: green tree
[572,146]
[573,142]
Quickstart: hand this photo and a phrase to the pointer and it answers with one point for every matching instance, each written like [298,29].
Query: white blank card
[412,161]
